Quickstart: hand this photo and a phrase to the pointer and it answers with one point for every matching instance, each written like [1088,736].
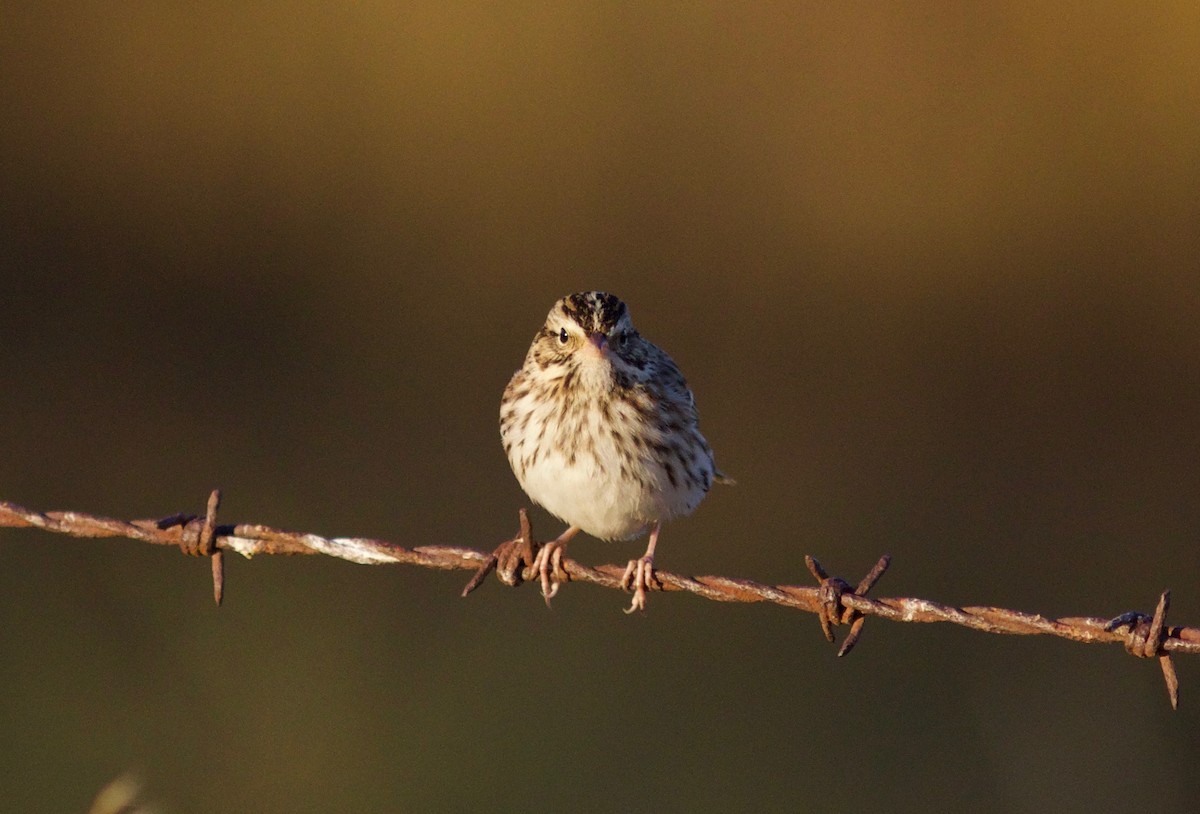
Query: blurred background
[932,272]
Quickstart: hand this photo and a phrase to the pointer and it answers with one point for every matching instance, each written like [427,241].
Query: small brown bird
[601,429]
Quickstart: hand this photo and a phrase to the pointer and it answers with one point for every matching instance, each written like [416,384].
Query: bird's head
[593,331]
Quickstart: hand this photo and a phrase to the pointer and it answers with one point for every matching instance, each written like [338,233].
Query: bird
[601,430]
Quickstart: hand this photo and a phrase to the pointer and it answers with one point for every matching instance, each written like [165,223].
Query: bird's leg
[548,562]
[639,574]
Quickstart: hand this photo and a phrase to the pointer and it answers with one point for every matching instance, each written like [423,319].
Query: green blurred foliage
[931,270]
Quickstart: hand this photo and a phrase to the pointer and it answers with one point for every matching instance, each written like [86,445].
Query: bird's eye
[562,336]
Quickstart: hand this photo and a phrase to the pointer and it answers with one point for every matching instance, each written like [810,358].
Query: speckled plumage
[601,429]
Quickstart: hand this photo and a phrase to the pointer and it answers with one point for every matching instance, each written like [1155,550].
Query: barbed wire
[833,600]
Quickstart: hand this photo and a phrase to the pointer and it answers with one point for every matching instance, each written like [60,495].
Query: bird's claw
[548,564]
[639,577]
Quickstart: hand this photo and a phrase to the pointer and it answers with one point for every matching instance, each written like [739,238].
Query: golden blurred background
[932,271]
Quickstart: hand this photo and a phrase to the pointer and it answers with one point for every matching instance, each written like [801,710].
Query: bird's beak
[596,345]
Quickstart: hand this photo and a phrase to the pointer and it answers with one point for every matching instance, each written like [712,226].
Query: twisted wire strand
[832,599]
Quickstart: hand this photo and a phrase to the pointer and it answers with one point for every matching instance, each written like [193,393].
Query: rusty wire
[832,599]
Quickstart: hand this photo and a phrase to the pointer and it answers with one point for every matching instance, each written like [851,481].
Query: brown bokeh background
[931,270]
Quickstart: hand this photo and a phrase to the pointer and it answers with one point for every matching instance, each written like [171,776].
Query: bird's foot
[639,577]
[548,564]
[512,557]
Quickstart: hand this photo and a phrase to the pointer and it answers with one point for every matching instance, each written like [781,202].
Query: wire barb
[513,559]
[1145,641]
[198,539]
[833,590]
[509,560]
